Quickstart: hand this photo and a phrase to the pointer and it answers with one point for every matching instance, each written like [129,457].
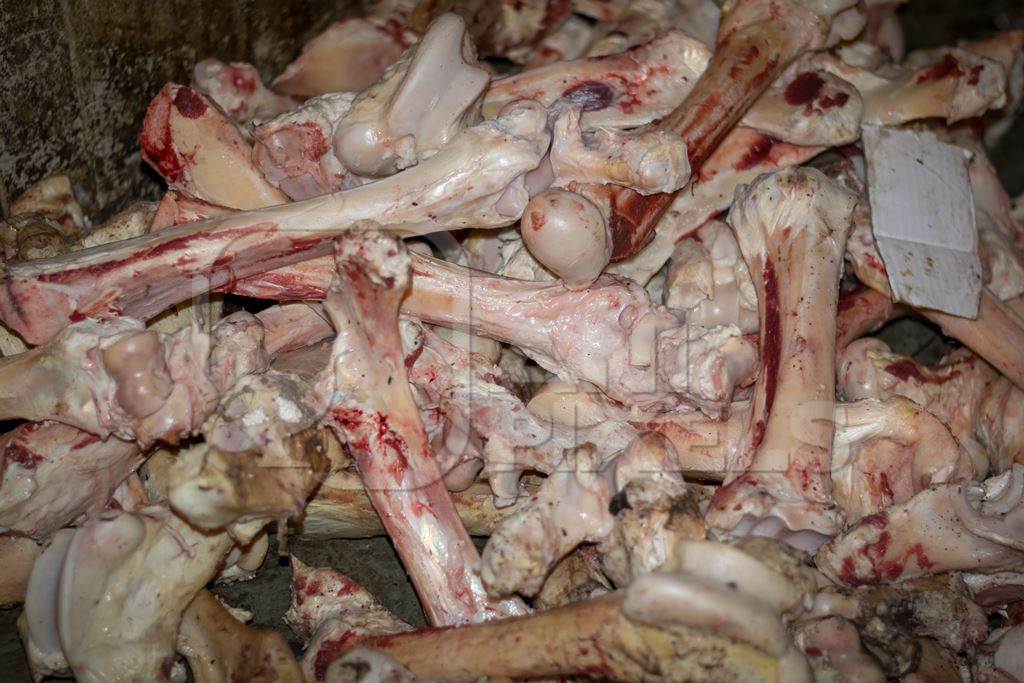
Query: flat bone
[952,527]
[372,410]
[473,181]
[349,55]
[792,228]
[421,102]
[192,143]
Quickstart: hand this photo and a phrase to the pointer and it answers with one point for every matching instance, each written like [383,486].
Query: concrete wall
[76,77]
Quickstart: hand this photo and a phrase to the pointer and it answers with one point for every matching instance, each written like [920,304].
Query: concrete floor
[373,563]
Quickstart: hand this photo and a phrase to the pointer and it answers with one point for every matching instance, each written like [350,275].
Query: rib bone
[792,228]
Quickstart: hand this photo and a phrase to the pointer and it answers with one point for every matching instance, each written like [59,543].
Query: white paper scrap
[922,213]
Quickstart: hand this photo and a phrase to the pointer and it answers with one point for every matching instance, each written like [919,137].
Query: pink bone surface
[475,180]
[372,410]
[53,474]
[191,143]
[238,90]
[952,527]
[792,228]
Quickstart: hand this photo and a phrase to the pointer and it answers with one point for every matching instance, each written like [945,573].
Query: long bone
[372,410]
[742,156]
[792,228]
[951,527]
[672,626]
[756,42]
[609,335]
[475,180]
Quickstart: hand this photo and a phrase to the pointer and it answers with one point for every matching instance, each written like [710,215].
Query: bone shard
[792,228]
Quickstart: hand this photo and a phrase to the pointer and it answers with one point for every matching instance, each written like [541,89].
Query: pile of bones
[593,280]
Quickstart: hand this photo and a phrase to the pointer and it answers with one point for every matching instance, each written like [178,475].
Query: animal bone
[754,47]
[372,410]
[792,228]
[670,626]
[949,527]
[219,647]
[982,409]
[330,610]
[138,384]
[635,352]
[261,459]
[567,232]
[350,54]
[992,334]
[191,143]
[238,89]
[54,474]
[885,452]
[149,565]
[404,117]
[475,180]
[341,509]
[860,313]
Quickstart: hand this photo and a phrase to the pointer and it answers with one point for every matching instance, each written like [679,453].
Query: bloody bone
[757,41]
[372,410]
[952,527]
[238,90]
[191,142]
[457,187]
[792,228]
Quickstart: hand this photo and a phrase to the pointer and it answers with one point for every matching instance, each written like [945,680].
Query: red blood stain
[758,153]
[537,219]
[591,95]
[838,100]
[812,651]
[86,441]
[189,103]
[330,650]
[17,453]
[944,68]
[241,80]
[883,482]
[759,428]
[771,335]
[555,13]
[156,141]
[877,520]
[906,368]
[975,75]
[394,30]
[804,88]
